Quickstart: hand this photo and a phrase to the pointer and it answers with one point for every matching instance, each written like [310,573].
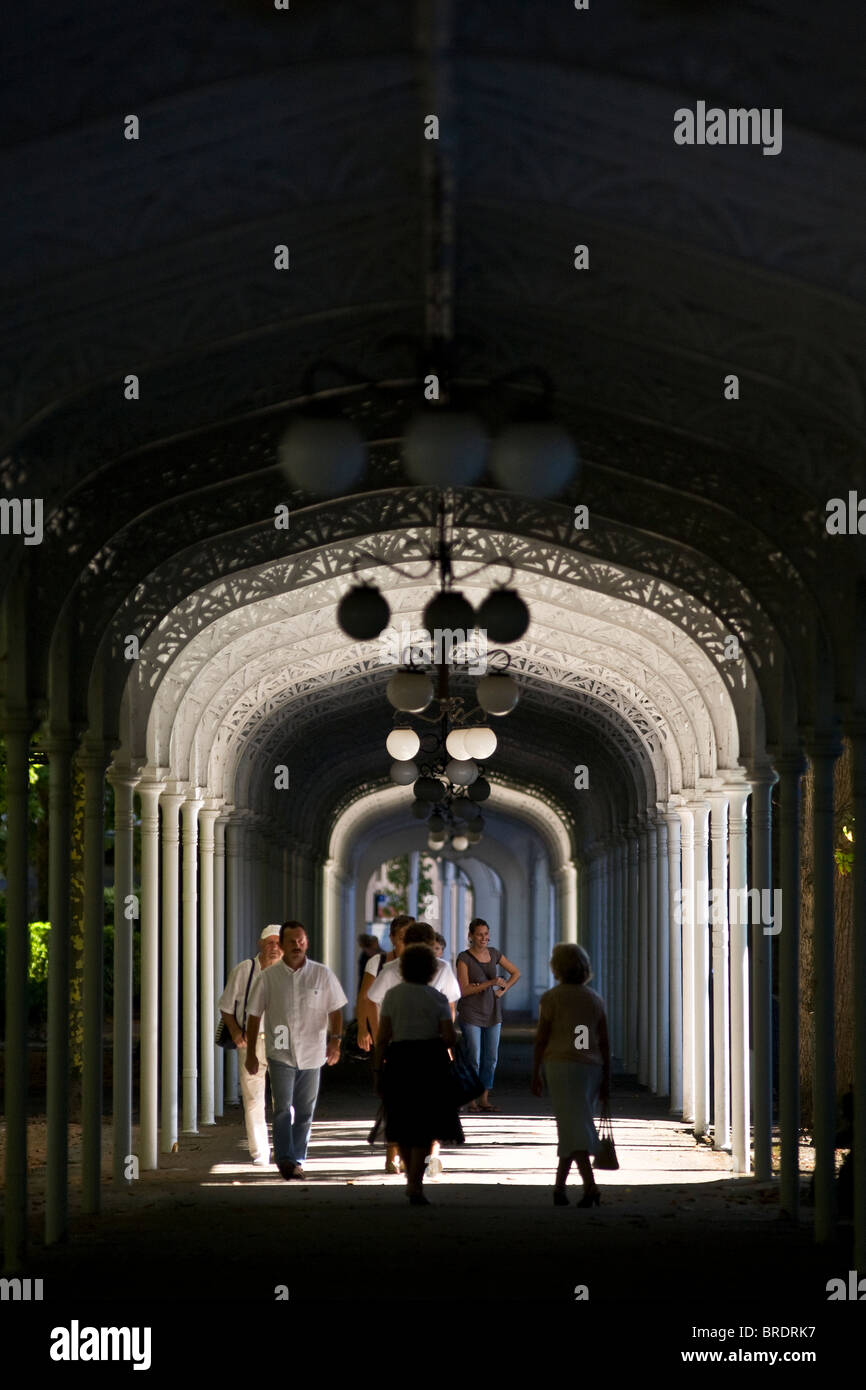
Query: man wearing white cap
[232,1006]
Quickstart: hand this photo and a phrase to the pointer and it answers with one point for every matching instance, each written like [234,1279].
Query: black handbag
[606,1156]
[223,1037]
[465,1081]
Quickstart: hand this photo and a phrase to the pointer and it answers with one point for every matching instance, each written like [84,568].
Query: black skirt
[419,1096]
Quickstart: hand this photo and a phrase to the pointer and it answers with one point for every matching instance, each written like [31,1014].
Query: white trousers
[253,1092]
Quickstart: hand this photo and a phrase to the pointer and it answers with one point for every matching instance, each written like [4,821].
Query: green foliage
[845,857]
[37,983]
[397,882]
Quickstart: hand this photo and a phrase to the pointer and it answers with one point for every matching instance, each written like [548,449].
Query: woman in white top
[415,1033]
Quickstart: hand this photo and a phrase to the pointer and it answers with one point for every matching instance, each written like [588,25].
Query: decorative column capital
[123,775]
[760,774]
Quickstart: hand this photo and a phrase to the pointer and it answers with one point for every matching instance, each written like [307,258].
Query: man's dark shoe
[287,1170]
[297,1171]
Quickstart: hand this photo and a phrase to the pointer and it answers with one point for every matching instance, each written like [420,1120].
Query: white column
[633,999]
[461,921]
[170,803]
[207,1007]
[620,1024]
[721,996]
[738,795]
[412,891]
[652,955]
[149,793]
[235,884]
[702,968]
[675,891]
[331,877]
[663,1049]
[189,812]
[219,948]
[123,781]
[643,956]
[687,913]
[569,901]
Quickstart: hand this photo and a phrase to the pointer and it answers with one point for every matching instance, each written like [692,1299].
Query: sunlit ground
[499,1149]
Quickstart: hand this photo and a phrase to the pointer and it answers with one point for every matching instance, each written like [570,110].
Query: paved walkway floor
[674,1225]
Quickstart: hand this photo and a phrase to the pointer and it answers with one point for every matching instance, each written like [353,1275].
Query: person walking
[367,1014]
[370,948]
[416,933]
[302,1001]
[573,1048]
[234,1015]
[479,1011]
[411,1062]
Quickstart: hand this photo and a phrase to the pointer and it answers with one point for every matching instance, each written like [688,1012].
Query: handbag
[223,1037]
[465,1081]
[606,1156]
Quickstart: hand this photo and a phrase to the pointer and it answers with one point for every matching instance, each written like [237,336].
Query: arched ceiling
[155,256]
[624,688]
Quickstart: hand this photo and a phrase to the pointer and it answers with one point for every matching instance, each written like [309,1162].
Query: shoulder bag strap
[247,992]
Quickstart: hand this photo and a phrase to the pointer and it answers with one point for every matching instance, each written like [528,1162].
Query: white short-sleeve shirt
[296,1004]
[231,1001]
[415,1012]
[372,966]
[444,980]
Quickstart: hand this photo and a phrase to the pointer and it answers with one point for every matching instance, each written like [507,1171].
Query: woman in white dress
[572,1047]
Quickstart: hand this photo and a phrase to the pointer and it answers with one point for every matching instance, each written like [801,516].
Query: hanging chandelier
[444,764]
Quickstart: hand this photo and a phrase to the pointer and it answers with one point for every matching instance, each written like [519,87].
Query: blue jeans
[482,1045]
[295,1092]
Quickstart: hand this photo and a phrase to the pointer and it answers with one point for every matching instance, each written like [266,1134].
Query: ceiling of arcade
[606,681]
[707,517]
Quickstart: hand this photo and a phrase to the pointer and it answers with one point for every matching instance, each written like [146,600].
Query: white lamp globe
[461,773]
[404,773]
[535,458]
[435,841]
[410,691]
[321,455]
[456,744]
[403,744]
[459,842]
[445,448]
[480,743]
[497,694]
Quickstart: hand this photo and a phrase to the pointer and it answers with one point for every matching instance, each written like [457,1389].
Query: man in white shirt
[302,1002]
[231,1006]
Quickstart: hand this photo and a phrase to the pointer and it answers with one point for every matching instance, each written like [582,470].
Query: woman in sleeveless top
[479,1011]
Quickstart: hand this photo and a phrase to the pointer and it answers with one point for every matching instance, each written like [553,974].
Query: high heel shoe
[559,1197]
[590,1199]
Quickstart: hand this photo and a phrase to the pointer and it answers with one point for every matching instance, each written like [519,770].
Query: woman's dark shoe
[591,1199]
[559,1197]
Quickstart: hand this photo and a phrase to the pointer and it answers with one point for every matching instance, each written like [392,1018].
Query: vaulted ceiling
[155,257]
